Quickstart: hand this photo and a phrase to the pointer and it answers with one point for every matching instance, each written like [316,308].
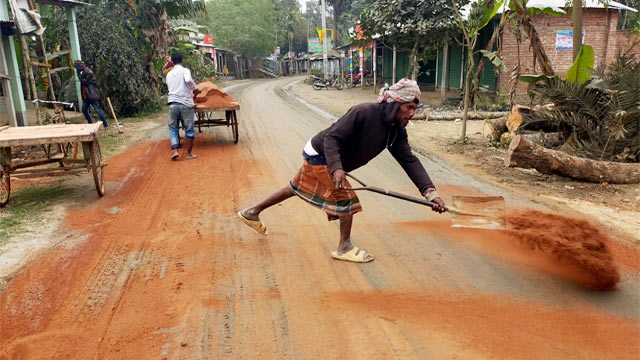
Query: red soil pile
[212,97]
[570,240]
[570,248]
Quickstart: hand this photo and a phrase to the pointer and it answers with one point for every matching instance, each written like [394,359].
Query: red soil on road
[569,247]
[162,268]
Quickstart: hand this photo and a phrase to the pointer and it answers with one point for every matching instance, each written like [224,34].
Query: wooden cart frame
[60,145]
[206,117]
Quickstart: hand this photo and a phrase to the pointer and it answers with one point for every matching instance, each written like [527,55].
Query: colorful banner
[564,39]
[208,39]
[314,45]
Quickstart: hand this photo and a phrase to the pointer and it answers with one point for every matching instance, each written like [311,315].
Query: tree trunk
[547,140]
[336,7]
[470,45]
[412,62]
[525,154]
[492,129]
[577,27]
[472,115]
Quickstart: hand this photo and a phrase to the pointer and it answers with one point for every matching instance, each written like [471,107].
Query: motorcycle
[319,83]
[356,78]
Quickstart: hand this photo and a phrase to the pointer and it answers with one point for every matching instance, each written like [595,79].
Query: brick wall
[604,40]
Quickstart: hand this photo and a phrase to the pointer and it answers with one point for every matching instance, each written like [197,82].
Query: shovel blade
[481,212]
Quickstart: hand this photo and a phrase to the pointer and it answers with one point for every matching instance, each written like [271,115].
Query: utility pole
[325,61]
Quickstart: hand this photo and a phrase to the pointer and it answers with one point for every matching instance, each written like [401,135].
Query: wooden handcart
[59,144]
[209,117]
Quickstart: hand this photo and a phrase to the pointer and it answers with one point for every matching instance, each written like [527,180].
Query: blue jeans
[177,113]
[96,107]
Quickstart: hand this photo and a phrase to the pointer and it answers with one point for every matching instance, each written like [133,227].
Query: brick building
[600,29]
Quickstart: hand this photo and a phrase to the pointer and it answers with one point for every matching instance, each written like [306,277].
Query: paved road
[161,267]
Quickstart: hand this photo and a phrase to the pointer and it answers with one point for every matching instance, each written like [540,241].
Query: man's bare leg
[279,196]
[345,234]
[345,244]
[189,148]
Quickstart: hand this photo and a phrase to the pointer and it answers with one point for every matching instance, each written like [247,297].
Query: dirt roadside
[614,207]
[44,232]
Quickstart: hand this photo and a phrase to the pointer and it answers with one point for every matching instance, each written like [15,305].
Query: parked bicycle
[319,83]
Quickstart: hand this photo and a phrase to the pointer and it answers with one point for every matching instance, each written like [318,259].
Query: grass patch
[26,205]
[111,142]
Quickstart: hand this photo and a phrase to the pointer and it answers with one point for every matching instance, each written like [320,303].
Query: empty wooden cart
[59,145]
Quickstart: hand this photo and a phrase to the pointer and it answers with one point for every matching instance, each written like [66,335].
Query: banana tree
[152,18]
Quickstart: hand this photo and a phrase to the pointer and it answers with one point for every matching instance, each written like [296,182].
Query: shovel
[480,212]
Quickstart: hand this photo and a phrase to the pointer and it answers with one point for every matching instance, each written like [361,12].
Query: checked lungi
[314,184]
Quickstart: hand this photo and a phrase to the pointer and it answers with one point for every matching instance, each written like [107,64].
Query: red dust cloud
[567,247]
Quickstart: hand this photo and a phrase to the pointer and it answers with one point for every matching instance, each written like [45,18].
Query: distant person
[355,139]
[90,93]
[182,90]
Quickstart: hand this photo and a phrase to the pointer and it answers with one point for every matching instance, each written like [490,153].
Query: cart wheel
[234,126]
[5,187]
[96,166]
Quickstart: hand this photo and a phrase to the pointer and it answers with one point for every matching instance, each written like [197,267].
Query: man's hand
[439,206]
[339,179]
[196,91]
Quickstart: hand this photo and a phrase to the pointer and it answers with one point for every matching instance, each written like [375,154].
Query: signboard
[27,20]
[314,45]
[208,39]
[564,39]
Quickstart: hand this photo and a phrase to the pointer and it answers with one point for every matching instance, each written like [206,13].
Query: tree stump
[493,128]
[526,154]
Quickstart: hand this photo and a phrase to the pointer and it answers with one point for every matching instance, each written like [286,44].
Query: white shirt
[180,84]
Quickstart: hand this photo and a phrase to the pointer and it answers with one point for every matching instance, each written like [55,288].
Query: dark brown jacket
[363,133]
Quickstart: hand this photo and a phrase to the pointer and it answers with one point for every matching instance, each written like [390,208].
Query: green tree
[121,72]
[247,27]
[411,23]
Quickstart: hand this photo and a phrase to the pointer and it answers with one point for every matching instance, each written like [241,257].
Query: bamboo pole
[114,115]
[29,77]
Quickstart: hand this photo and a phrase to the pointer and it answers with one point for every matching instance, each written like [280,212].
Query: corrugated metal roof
[63,3]
[589,4]
[558,5]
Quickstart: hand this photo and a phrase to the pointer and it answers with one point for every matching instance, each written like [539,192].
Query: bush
[112,49]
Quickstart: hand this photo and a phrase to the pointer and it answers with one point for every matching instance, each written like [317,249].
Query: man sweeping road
[349,143]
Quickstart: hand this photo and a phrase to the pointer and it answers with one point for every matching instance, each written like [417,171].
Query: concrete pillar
[15,106]
[75,49]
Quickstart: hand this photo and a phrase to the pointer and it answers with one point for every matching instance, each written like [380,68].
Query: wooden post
[374,66]
[445,60]
[114,115]
[40,42]
[437,64]
[29,74]
[393,76]
[361,60]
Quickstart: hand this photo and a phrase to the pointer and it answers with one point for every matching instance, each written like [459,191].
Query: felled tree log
[525,154]
[551,139]
[493,128]
[473,115]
